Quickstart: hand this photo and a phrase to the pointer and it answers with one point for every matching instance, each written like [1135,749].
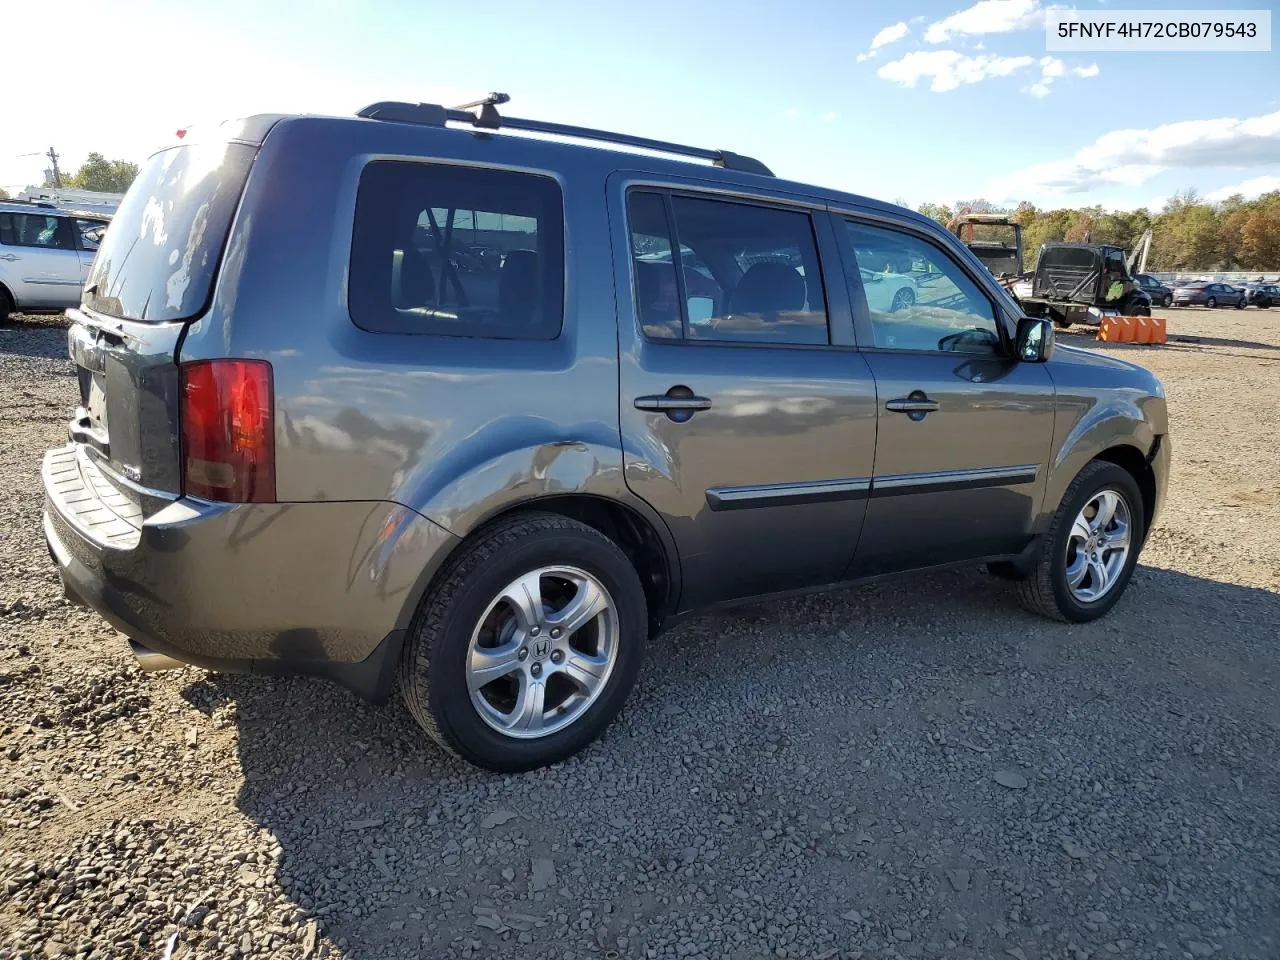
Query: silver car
[45,256]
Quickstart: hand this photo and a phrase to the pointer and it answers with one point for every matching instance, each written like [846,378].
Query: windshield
[159,256]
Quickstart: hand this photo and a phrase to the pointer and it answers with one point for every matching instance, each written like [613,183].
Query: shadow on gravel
[45,338]
[895,701]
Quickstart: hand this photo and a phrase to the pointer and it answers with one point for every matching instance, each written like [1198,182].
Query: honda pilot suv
[405,400]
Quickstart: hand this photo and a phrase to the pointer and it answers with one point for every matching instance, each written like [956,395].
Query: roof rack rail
[435,115]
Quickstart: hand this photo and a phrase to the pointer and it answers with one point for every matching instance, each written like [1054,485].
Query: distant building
[89,201]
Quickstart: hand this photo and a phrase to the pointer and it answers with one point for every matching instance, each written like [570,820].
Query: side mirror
[1035,339]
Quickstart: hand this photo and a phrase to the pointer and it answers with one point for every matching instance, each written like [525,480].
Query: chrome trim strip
[857,488]
[908,483]
[780,494]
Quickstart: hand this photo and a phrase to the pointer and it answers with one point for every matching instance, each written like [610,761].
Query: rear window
[457,251]
[34,230]
[158,258]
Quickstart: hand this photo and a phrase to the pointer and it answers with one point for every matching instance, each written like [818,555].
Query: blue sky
[793,84]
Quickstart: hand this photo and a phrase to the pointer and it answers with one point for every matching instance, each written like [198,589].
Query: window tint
[755,277]
[749,274]
[33,230]
[918,298]
[456,251]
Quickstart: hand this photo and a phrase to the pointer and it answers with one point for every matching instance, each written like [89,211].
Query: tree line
[1189,234]
[96,173]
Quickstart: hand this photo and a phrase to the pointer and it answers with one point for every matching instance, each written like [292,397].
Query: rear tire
[1240,304]
[1047,591]
[1211,303]
[466,620]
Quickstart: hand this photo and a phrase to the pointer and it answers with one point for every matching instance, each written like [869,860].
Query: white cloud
[1249,189]
[890,34]
[828,116]
[793,111]
[987,16]
[1051,68]
[1132,157]
[948,69]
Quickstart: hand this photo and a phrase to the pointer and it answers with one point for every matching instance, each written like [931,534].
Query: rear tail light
[228,431]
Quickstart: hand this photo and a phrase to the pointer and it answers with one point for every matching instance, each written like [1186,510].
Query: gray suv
[402,399]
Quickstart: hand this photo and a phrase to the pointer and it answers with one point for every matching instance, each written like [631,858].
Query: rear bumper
[325,589]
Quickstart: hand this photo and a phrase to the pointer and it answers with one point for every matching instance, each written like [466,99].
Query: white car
[888,292]
[45,255]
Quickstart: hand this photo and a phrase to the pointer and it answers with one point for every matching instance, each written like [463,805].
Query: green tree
[935,211]
[99,173]
[4,194]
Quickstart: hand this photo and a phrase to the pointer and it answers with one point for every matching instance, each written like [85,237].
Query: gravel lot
[915,768]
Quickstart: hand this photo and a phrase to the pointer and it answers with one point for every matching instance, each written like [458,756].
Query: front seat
[767,290]
[412,282]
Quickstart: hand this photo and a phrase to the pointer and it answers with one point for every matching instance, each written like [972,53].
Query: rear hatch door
[153,275]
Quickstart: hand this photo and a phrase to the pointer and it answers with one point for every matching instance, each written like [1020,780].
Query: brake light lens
[228,431]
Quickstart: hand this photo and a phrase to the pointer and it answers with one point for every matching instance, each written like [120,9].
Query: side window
[34,230]
[90,233]
[751,273]
[748,274]
[654,269]
[918,297]
[457,251]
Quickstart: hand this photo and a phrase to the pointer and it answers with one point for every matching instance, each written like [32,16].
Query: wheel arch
[1138,465]
[1117,431]
[641,536]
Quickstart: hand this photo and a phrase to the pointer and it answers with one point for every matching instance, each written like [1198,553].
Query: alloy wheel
[1098,546]
[542,652]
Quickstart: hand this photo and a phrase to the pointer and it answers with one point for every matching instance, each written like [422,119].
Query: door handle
[915,405]
[912,406]
[663,404]
[9,256]
[679,403]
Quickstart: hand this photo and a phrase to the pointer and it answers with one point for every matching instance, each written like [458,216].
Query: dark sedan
[1161,295]
[1262,294]
[1208,294]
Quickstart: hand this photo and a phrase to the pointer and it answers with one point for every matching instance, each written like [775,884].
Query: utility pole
[57,174]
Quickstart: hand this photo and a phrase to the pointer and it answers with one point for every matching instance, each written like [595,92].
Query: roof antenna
[488,117]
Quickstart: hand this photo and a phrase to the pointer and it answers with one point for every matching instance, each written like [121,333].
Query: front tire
[527,645]
[1091,549]
[6,306]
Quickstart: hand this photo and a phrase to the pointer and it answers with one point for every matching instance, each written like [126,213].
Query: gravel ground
[915,768]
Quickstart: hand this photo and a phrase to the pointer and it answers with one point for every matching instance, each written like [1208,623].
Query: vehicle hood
[1080,355]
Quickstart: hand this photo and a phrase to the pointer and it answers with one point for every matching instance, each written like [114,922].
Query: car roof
[50,210]
[254,130]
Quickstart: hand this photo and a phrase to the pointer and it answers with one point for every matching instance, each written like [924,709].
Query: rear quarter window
[457,251]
